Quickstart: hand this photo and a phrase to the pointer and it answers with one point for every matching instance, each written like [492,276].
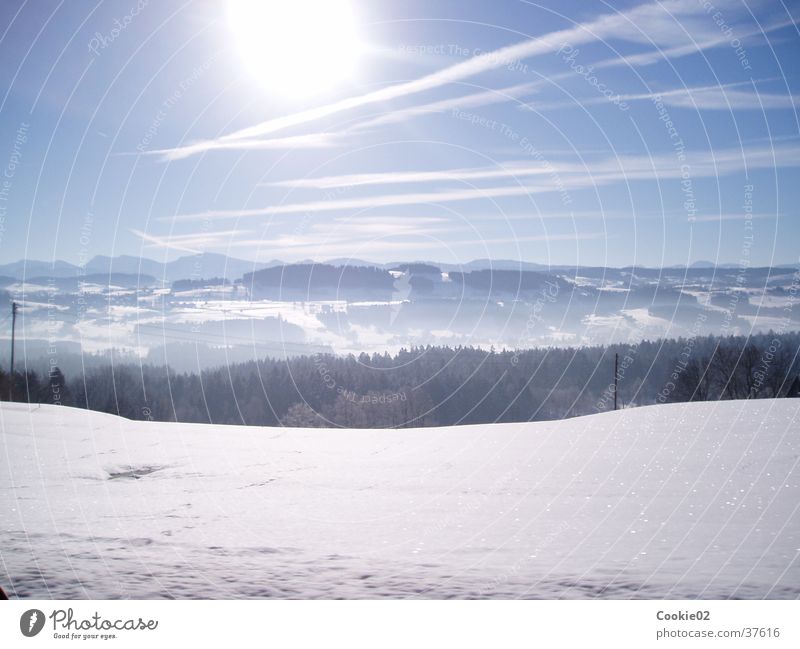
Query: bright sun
[296,47]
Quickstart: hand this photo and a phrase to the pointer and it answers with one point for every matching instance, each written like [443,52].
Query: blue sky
[585,133]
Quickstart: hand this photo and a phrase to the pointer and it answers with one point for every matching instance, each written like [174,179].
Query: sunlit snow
[674,501]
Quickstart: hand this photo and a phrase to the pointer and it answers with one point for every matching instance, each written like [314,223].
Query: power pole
[616,365]
[13,327]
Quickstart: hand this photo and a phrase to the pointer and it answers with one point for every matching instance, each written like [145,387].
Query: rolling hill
[678,501]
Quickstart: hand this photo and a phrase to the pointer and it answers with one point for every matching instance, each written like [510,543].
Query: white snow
[674,501]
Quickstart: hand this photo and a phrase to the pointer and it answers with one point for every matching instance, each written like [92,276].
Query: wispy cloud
[572,176]
[194,243]
[722,97]
[692,47]
[661,165]
[332,246]
[661,28]
[323,140]
[401,177]
[472,100]
[601,214]
[729,96]
[391,200]
[308,141]
[715,218]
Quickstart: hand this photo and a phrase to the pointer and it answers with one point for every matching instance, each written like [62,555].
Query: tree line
[428,386]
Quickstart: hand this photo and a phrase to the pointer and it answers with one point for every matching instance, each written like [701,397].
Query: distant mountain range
[202,266]
[213,265]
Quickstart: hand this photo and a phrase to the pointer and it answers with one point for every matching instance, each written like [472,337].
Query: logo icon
[31,622]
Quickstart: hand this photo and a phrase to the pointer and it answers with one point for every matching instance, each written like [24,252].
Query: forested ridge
[429,386]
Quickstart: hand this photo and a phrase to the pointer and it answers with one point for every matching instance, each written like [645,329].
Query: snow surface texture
[674,501]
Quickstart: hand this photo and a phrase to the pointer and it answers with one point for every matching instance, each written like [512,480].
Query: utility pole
[616,365]
[13,327]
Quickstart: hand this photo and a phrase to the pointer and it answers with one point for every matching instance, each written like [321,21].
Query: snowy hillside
[689,500]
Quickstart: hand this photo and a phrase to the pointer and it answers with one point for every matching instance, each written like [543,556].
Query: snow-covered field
[675,501]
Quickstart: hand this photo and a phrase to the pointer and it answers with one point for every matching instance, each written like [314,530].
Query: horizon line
[703,263]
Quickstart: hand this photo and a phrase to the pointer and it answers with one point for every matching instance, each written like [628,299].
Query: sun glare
[295,47]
